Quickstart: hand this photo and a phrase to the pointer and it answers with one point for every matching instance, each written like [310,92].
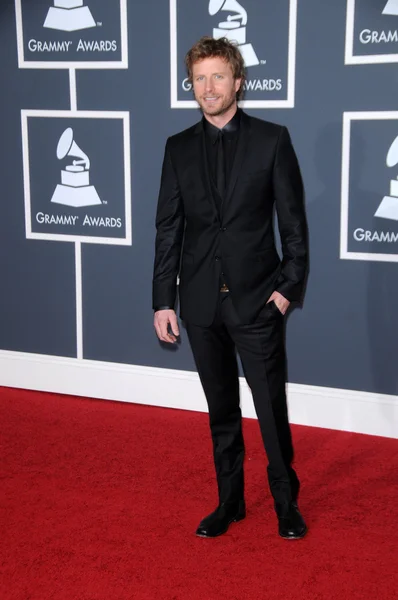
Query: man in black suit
[221,180]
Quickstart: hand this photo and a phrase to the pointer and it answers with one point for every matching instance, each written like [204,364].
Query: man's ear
[238,83]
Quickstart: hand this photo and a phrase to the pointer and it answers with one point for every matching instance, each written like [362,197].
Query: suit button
[223,229]
[217,258]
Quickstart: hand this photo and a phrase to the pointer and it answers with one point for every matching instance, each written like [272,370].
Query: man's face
[214,86]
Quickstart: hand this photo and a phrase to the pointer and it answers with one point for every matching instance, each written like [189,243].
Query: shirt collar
[231,127]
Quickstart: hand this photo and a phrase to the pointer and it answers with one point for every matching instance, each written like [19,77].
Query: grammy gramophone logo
[234,27]
[74,189]
[69,15]
[391,8]
[388,208]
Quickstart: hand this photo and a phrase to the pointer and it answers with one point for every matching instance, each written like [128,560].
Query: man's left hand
[280,301]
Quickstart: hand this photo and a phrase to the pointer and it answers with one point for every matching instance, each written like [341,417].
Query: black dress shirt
[230,134]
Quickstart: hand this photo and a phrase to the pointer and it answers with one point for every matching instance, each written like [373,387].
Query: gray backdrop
[345,335]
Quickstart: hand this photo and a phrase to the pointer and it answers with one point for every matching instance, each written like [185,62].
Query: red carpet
[100,501]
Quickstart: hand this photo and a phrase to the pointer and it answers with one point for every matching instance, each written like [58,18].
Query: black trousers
[261,348]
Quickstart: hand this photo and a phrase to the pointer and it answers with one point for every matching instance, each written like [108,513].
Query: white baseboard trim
[346,410]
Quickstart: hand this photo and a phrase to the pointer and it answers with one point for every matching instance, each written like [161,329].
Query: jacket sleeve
[170,221]
[289,201]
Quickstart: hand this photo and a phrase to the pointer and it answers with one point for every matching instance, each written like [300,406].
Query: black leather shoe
[291,524]
[218,522]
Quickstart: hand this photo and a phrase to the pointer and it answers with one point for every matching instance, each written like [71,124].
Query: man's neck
[221,120]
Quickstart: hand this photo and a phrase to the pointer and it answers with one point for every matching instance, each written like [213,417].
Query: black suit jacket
[198,242]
